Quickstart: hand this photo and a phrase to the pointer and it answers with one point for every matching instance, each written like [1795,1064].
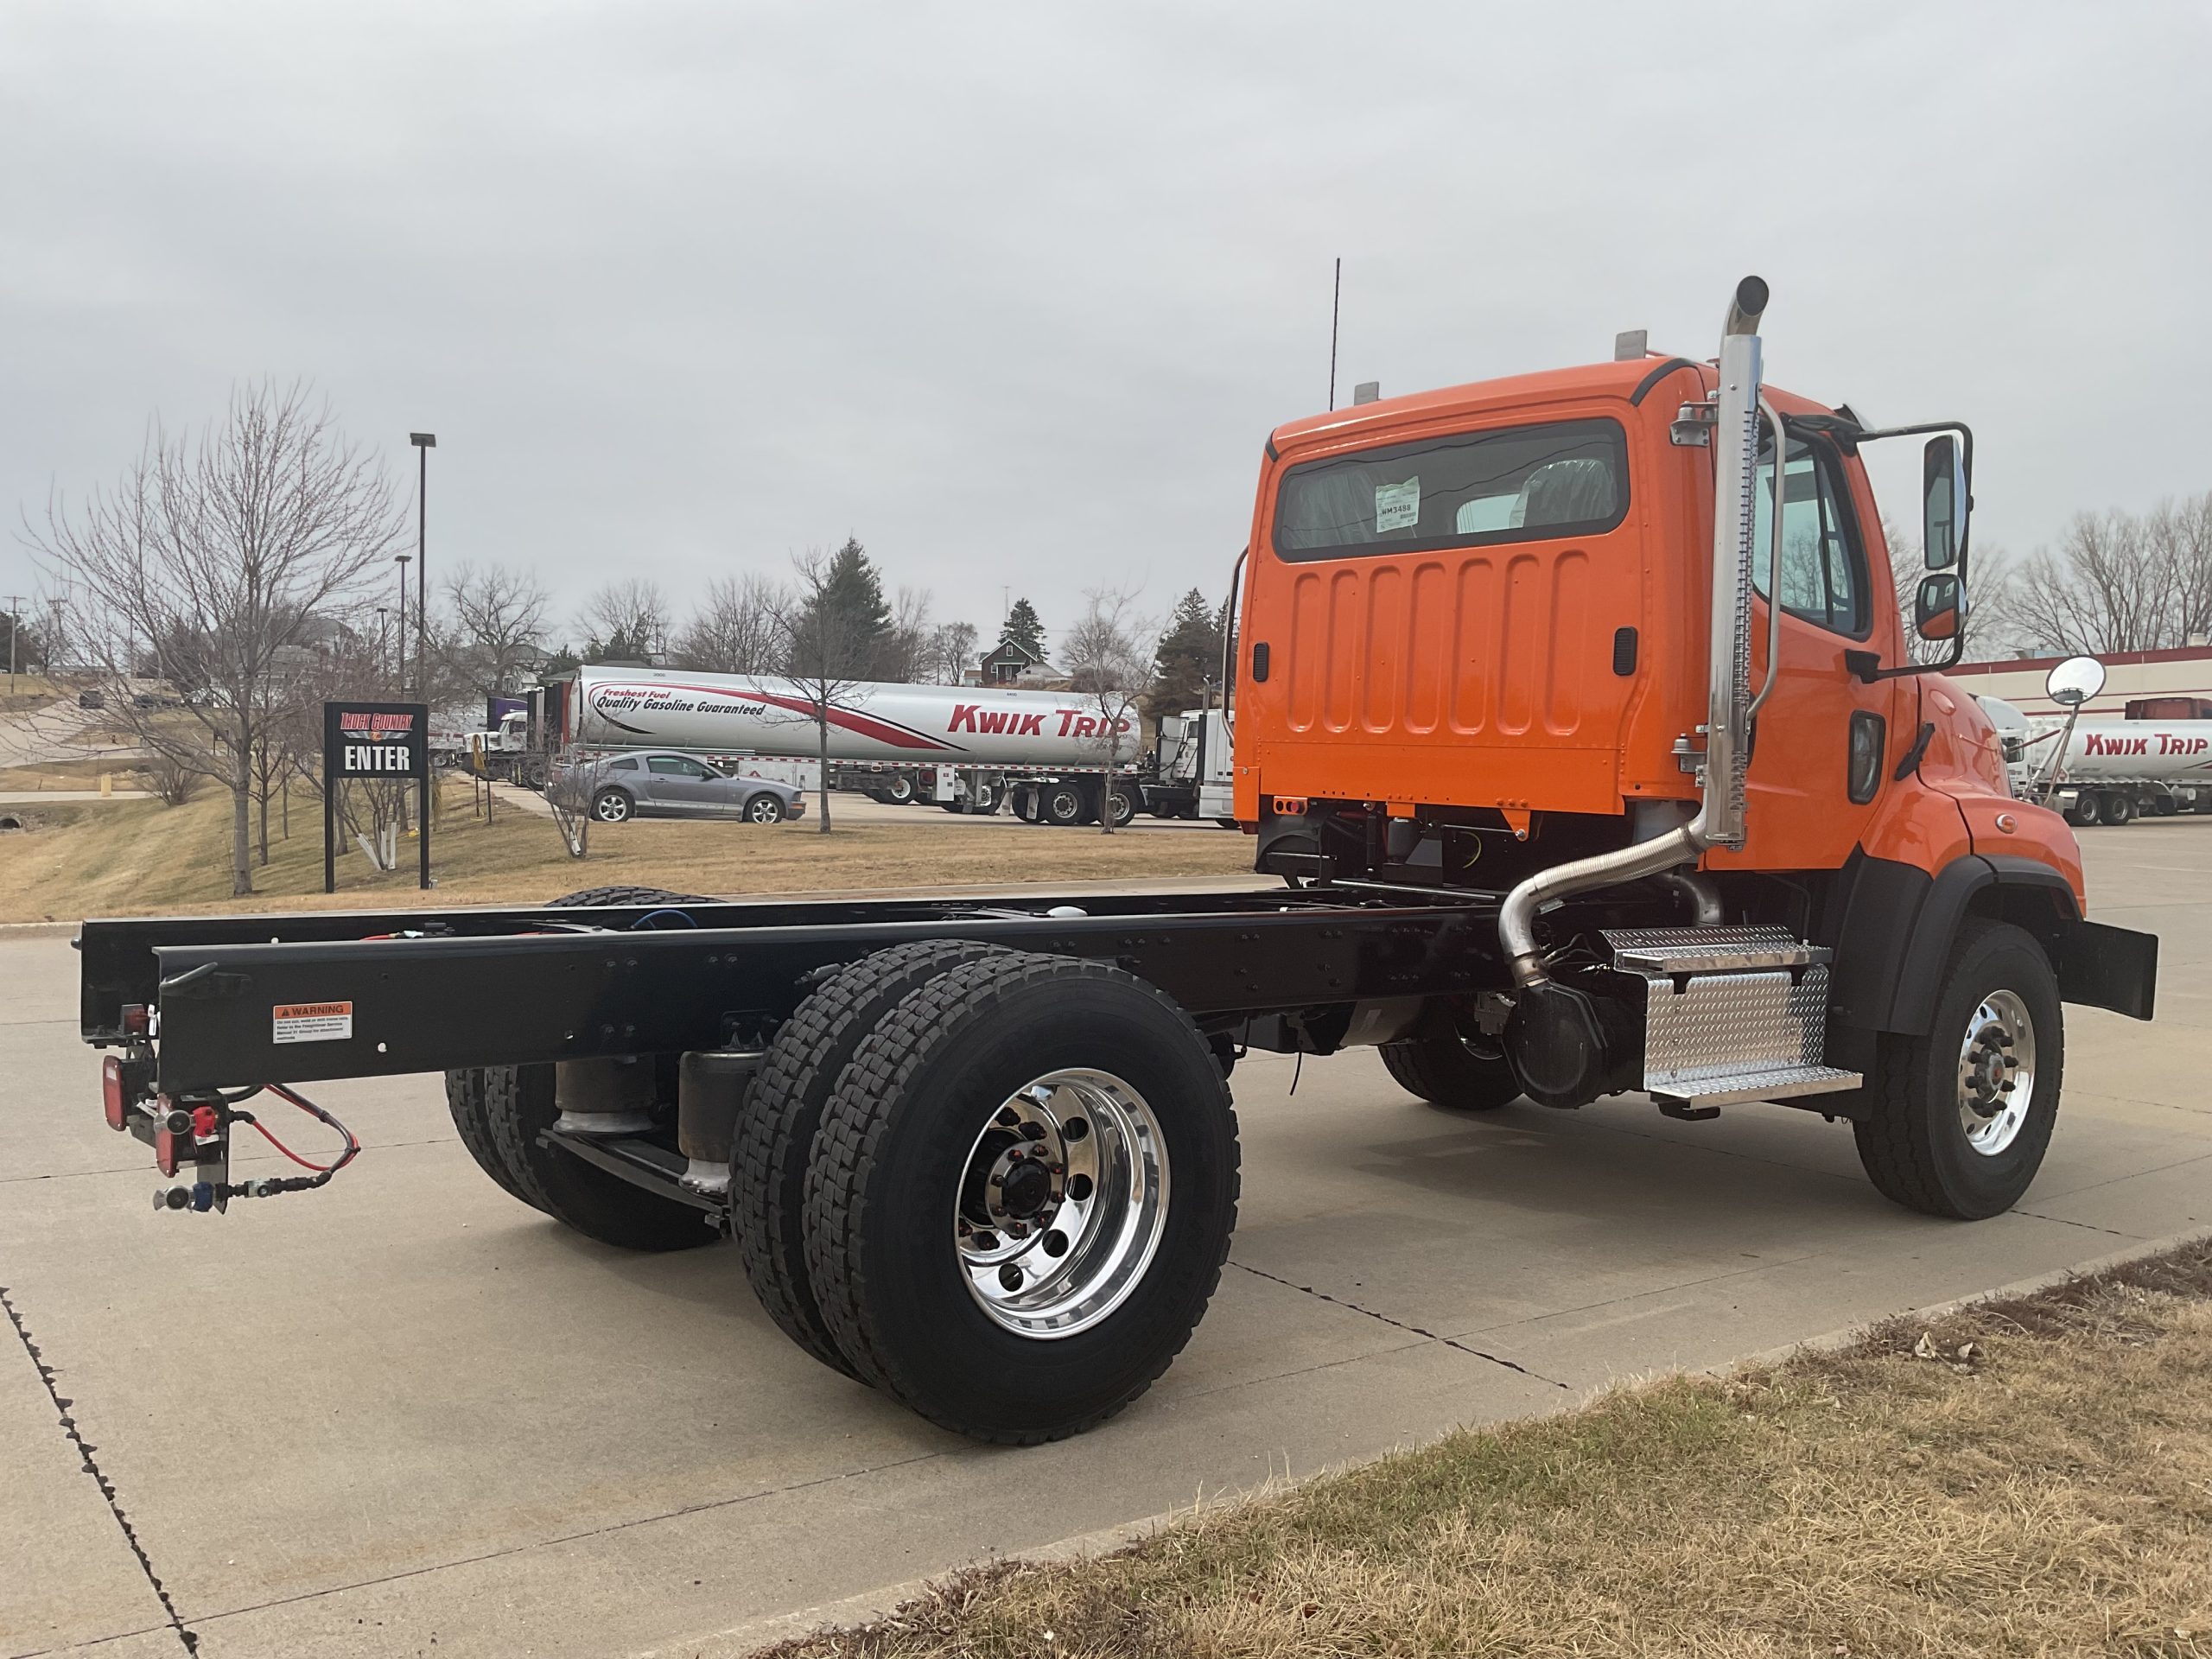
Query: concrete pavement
[406,1409]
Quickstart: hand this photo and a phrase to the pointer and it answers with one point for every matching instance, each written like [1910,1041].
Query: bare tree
[1108,655]
[216,559]
[499,620]
[952,648]
[737,631]
[904,652]
[2101,591]
[827,653]
[628,618]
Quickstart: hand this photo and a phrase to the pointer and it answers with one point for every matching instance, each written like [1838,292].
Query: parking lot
[407,1411]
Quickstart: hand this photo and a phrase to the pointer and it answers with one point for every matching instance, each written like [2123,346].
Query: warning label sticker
[313,1022]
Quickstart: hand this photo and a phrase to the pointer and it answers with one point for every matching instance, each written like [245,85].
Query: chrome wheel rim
[1997,1072]
[765,812]
[1062,1203]
[613,809]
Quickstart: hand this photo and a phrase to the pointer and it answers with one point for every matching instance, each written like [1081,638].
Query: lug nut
[1032,1132]
[1008,1117]
[987,1241]
[1017,1229]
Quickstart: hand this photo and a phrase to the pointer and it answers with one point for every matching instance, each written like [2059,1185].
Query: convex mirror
[2073,682]
[1937,610]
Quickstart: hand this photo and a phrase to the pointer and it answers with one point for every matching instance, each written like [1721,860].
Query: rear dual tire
[894,1184]
[1444,1071]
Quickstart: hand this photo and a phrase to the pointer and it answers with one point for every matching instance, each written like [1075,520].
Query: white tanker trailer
[964,747]
[2113,770]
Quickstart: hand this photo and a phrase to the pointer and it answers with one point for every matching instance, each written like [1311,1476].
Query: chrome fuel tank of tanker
[631,708]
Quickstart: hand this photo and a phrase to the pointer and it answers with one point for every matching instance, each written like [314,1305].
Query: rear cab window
[1465,489]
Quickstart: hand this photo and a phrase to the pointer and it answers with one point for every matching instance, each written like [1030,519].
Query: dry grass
[28,692]
[2028,1478]
[140,857]
[82,772]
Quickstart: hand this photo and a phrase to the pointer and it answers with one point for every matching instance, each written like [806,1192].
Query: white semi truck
[2113,770]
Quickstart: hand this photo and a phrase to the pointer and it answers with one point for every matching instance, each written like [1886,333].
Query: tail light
[173,1137]
[112,1093]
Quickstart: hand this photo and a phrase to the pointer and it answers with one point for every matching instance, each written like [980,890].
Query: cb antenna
[1336,300]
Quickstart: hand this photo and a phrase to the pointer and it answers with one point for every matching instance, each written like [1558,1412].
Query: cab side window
[1824,560]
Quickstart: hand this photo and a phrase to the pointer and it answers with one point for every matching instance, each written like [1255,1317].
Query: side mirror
[2074,681]
[1942,505]
[1939,607]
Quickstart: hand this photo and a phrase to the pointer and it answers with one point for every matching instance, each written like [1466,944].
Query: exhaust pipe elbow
[1746,307]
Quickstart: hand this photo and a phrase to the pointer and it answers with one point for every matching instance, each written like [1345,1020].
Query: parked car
[666,784]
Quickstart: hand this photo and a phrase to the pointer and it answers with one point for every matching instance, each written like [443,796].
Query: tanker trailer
[963,748]
[2117,770]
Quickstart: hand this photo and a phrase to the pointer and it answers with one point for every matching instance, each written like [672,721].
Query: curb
[37,930]
[741,1639]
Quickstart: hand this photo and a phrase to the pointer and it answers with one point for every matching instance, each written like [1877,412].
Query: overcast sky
[1015,293]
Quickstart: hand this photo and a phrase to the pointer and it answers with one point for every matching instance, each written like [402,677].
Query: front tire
[1017,1316]
[764,809]
[1444,1071]
[612,806]
[1960,1117]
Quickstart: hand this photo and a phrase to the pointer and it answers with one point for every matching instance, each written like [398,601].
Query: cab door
[1824,744]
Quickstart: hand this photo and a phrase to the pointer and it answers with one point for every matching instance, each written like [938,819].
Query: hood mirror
[2073,682]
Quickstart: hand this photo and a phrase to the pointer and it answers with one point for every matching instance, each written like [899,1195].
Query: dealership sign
[390,741]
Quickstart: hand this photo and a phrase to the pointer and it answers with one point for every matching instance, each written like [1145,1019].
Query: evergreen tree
[855,615]
[1024,628]
[1188,657]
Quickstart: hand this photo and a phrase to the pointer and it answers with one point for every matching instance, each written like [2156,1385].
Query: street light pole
[15,628]
[400,658]
[423,442]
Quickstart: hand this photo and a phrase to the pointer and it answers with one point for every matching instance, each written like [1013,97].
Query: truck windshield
[1529,483]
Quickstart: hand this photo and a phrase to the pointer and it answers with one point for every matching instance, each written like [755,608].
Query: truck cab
[1569,633]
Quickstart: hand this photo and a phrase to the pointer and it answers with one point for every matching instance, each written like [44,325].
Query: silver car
[665,784]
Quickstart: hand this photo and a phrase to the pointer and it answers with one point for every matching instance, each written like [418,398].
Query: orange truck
[1575,715]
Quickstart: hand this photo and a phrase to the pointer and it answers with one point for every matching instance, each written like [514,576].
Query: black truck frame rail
[434,991]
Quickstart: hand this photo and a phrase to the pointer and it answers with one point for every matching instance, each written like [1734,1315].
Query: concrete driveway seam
[1338,1301]
[873,1604]
[572,1537]
[1766,1265]
[76,1438]
[2092,1187]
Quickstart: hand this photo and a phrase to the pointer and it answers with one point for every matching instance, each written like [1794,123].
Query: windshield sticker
[313,1022]
[1397,506]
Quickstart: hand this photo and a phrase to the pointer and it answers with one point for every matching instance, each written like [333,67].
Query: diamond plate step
[1709,949]
[1772,1083]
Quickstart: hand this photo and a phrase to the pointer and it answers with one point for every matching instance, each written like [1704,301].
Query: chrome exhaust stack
[1559,1039]
[1719,820]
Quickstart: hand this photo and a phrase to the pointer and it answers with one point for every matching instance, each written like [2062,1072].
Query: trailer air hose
[295,1183]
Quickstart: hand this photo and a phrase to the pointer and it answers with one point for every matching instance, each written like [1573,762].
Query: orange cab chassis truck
[1564,804]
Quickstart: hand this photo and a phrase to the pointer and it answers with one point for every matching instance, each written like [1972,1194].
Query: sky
[1015,293]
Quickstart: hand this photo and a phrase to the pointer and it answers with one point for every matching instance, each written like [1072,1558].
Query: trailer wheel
[899,791]
[1062,805]
[2118,806]
[1960,1117]
[1021,1196]
[1444,1071]
[465,1099]
[776,1126]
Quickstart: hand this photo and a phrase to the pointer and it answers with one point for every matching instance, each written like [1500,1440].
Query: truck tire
[782,1110]
[1945,1135]
[1062,805]
[1123,805]
[465,1088]
[518,1105]
[2084,813]
[900,792]
[943,1287]
[471,1120]
[1444,1071]
[2118,805]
